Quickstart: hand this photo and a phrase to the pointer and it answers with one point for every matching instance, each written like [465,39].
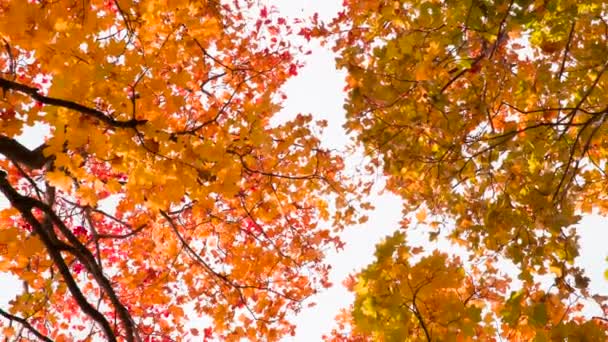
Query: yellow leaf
[32,246]
[209,28]
[556,270]
[422,72]
[9,235]
[88,196]
[60,180]
[61,25]
[113,185]
[421,215]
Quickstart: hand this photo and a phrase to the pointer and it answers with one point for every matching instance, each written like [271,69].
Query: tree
[161,183]
[489,119]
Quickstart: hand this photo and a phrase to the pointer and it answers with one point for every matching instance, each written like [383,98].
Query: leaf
[423,72]
[8,332]
[59,179]
[556,270]
[421,215]
[9,235]
[367,307]
[32,246]
[539,314]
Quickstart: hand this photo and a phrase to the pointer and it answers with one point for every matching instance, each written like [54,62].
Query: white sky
[318,90]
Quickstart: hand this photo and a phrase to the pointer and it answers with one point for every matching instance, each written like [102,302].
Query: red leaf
[208,332]
[293,69]
[77,268]
[306,33]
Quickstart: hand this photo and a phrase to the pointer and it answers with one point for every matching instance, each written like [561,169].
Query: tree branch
[566,51]
[51,101]
[13,150]
[26,324]
[25,205]
[88,260]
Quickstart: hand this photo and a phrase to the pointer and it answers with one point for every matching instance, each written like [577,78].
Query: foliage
[437,298]
[161,184]
[491,115]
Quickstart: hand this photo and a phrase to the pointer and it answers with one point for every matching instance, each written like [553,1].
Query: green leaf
[539,314]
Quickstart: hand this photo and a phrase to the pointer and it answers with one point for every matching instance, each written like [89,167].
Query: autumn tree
[489,119]
[161,184]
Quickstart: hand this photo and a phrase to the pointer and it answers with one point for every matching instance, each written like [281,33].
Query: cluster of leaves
[407,295]
[161,183]
[491,115]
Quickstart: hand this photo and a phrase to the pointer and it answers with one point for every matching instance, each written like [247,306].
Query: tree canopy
[488,117]
[164,203]
[161,184]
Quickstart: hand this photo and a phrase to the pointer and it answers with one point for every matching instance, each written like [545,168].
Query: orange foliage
[161,194]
